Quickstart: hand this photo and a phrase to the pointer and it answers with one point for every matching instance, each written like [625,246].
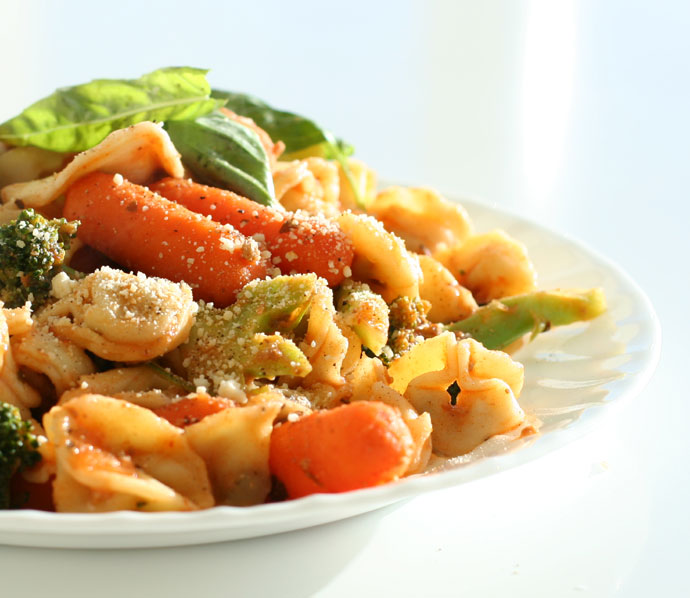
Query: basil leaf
[223,153]
[74,119]
[296,132]
[302,137]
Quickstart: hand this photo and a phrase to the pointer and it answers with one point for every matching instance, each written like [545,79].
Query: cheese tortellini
[381,259]
[470,392]
[137,153]
[421,217]
[114,455]
[121,316]
[491,265]
[311,185]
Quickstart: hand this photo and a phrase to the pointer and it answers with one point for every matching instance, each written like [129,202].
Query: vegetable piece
[74,119]
[501,322]
[354,446]
[365,312]
[301,136]
[409,324]
[144,231]
[246,339]
[32,250]
[225,153]
[299,244]
[18,448]
[192,409]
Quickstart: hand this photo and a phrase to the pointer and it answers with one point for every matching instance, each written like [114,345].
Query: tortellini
[122,317]
[234,443]
[381,259]
[13,389]
[114,455]
[137,153]
[491,265]
[311,185]
[421,217]
[138,380]
[449,300]
[469,392]
[62,361]
[324,344]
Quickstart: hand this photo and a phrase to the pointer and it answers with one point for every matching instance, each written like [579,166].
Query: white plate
[574,376]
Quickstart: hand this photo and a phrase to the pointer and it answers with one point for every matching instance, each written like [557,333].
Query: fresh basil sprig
[299,134]
[224,153]
[77,118]
[302,137]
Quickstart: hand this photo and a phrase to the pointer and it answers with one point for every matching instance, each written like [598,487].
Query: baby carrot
[145,232]
[298,244]
[192,409]
[354,446]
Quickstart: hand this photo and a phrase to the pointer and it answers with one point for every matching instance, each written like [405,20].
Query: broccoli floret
[409,324]
[249,339]
[365,312]
[18,448]
[32,250]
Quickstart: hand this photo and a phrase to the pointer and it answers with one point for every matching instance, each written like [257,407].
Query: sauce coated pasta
[214,311]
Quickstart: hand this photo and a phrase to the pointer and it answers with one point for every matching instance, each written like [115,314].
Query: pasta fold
[113,455]
[469,392]
[381,259]
[426,221]
[137,153]
[312,185]
[122,317]
[234,443]
[491,265]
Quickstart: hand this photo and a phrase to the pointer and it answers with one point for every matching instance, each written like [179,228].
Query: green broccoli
[32,250]
[18,448]
[409,324]
[365,312]
[248,339]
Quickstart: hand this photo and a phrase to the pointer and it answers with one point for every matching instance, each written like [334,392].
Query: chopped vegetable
[18,448]
[409,324]
[365,312]
[501,322]
[297,244]
[354,446]
[145,232]
[246,339]
[74,119]
[224,153]
[192,409]
[32,250]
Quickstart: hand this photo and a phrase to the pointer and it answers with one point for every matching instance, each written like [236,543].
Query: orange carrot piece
[297,244]
[192,409]
[145,232]
[354,446]
[226,207]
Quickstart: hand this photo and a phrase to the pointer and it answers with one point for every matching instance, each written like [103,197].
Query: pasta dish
[208,301]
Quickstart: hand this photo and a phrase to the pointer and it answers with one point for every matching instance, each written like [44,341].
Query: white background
[574,114]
